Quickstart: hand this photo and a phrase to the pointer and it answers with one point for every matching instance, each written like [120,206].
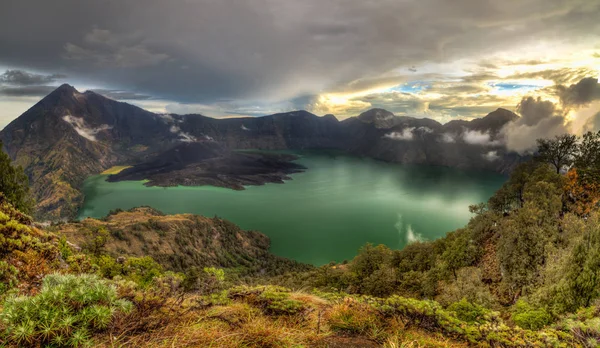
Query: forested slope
[525,271]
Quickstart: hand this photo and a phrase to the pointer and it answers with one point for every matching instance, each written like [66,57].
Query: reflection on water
[327,212]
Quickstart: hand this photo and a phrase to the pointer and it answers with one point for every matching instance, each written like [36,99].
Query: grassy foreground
[54,294]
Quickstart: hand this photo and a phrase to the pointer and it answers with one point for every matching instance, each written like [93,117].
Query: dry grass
[235,325]
[114,170]
[356,319]
[419,339]
[240,324]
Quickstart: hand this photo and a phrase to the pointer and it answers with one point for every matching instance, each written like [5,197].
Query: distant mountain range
[69,135]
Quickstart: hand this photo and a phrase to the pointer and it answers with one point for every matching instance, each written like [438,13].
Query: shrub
[210,280]
[107,266]
[65,312]
[280,303]
[272,300]
[142,270]
[469,312]
[156,305]
[14,184]
[118,234]
[80,263]
[8,277]
[426,314]
[96,241]
[114,212]
[583,325]
[530,318]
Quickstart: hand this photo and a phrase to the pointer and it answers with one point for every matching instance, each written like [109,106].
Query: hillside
[178,242]
[522,273]
[147,306]
[69,135]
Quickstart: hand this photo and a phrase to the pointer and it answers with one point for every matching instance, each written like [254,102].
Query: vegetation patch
[67,311]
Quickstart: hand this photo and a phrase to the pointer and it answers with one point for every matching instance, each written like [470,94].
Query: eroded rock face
[69,136]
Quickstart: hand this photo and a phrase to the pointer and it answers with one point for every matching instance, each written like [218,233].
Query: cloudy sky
[425,58]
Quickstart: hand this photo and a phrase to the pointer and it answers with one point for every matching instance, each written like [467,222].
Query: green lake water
[326,213]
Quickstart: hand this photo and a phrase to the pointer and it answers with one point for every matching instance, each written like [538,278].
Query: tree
[97,238]
[587,158]
[582,193]
[559,151]
[461,251]
[582,185]
[369,259]
[582,273]
[511,195]
[525,234]
[14,184]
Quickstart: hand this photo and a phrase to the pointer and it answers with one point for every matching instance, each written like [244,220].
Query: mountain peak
[501,115]
[380,118]
[375,114]
[65,87]
[61,92]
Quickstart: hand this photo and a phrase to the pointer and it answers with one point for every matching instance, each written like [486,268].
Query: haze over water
[326,213]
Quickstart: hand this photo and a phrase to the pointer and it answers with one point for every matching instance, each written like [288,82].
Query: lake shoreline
[325,213]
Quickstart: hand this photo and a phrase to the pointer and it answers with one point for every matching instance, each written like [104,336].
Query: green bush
[273,300]
[277,302]
[469,312]
[14,185]
[583,325]
[489,329]
[8,277]
[425,314]
[142,270]
[67,311]
[530,318]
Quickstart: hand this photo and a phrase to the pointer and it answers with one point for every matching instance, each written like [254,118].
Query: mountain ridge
[68,136]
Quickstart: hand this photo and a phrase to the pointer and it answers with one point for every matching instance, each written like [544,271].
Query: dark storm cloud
[24,78]
[204,50]
[21,83]
[539,119]
[26,91]
[121,95]
[583,92]
[534,110]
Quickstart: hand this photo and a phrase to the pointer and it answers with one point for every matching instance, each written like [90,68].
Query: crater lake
[325,213]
